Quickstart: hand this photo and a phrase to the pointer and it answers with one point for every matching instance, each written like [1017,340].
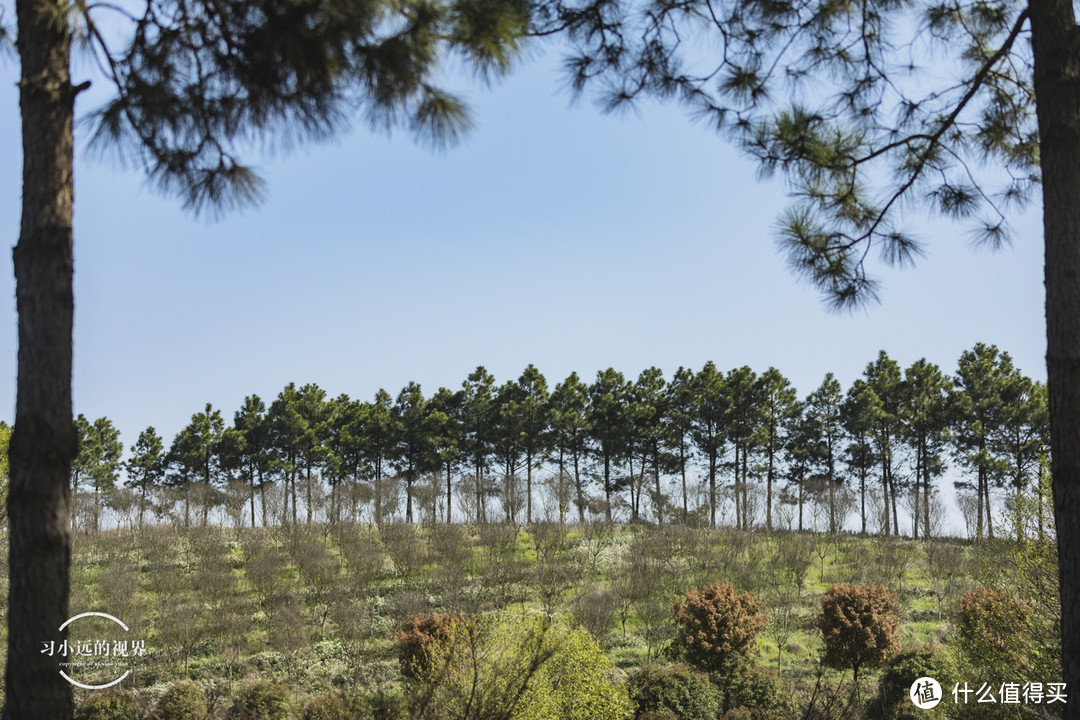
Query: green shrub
[673,691]
[893,700]
[663,714]
[750,686]
[506,666]
[262,700]
[182,701]
[109,705]
[380,706]
[994,632]
[739,714]
[328,708]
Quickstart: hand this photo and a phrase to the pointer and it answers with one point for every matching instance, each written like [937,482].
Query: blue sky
[554,235]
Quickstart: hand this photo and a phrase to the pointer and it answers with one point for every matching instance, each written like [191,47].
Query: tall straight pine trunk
[1056,46]
[44,440]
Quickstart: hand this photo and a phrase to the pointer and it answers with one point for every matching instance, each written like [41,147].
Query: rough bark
[44,440]
[1056,48]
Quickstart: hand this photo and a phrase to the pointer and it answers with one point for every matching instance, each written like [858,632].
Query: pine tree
[251,422]
[146,466]
[822,408]
[532,409]
[924,412]
[978,415]
[711,420]
[478,421]
[609,429]
[568,403]
[780,403]
[680,404]
[413,442]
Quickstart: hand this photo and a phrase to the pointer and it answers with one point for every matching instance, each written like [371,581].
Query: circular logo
[925,693]
[104,685]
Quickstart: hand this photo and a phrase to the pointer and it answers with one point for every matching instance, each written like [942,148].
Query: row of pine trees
[614,448]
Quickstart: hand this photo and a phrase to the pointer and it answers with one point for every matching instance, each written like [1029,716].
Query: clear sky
[554,235]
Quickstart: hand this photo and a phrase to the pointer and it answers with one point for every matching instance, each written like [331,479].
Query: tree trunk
[738,503]
[378,483]
[528,488]
[607,485]
[802,482]
[712,490]
[44,441]
[892,494]
[292,482]
[862,497]
[251,479]
[768,491]
[307,492]
[918,473]
[580,490]
[926,499]
[448,501]
[1056,49]
[479,493]
[682,471]
[745,492]
[659,495]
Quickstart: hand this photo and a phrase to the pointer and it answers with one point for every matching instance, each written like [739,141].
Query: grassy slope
[316,608]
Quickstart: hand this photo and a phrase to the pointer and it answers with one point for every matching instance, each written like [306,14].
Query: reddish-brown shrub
[716,627]
[418,636]
[859,626]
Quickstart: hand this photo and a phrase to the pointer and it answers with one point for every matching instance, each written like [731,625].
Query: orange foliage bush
[859,625]
[716,627]
[421,633]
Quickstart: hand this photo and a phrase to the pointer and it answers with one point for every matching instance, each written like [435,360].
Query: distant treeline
[678,449]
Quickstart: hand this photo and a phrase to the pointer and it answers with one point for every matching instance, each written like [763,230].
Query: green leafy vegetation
[398,638]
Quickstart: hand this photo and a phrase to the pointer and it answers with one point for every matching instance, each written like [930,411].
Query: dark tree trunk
[378,488]
[292,482]
[832,491]
[251,480]
[745,492]
[480,492]
[580,489]
[528,487]
[307,492]
[607,485]
[659,495]
[448,500]
[682,472]
[712,490]
[768,491]
[738,500]
[918,473]
[44,440]
[802,482]
[1057,85]
[862,497]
